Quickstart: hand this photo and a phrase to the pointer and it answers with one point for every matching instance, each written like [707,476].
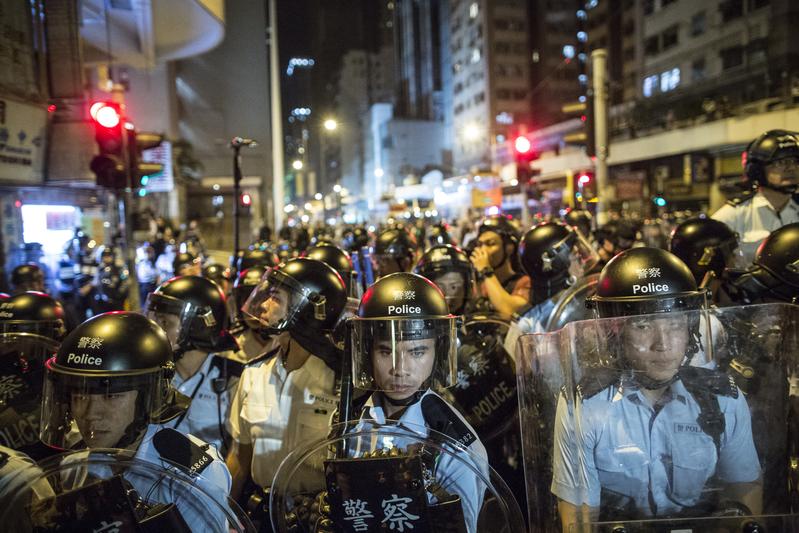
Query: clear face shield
[783,174]
[456,286]
[277,300]
[402,356]
[81,411]
[175,317]
[53,329]
[581,255]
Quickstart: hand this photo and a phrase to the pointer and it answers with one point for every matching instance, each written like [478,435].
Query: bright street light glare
[330,124]
[296,164]
[336,188]
[379,173]
[471,132]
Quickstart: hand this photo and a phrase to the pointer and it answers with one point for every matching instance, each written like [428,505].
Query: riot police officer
[582,220]
[193,313]
[289,398]
[219,274]
[108,387]
[709,248]
[615,237]
[395,251]
[554,255]
[450,269]
[772,165]
[503,288]
[186,264]
[32,325]
[256,256]
[660,437]
[255,341]
[774,274]
[341,263]
[27,277]
[403,345]
[111,283]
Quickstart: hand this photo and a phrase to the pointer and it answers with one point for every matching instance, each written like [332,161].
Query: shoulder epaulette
[178,449]
[266,356]
[742,198]
[714,381]
[442,417]
[596,380]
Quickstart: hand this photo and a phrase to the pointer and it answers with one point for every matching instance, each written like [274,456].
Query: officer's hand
[480,258]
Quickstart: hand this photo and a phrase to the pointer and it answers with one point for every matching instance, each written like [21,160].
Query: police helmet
[28,276]
[442,259]
[257,257]
[246,281]
[706,245]
[580,219]
[217,273]
[395,243]
[201,312]
[439,234]
[768,148]
[32,312]
[341,263]
[554,250]
[302,294]
[402,307]
[775,271]
[108,357]
[184,260]
[502,226]
[645,280]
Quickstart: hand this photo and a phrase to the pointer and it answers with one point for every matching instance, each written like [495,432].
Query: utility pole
[599,59]
[277,120]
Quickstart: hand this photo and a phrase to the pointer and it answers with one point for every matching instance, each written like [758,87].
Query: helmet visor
[627,306]
[54,329]
[175,316]
[95,411]
[404,355]
[582,256]
[276,301]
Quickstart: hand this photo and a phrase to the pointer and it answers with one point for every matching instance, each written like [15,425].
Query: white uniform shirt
[277,411]
[754,219]
[208,410]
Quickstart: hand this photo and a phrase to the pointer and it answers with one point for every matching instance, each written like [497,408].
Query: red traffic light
[522,145]
[105,114]
[246,199]
[584,179]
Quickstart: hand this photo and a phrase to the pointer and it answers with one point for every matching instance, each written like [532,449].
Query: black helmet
[199,305]
[302,294]
[183,260]
[108,355]
[443,259]
[555,250]
[501,225]
[339,260]
[772,146]
[645,280]
[580,219]
[705,245]
[27,277]
[32,312]
[360,238]
[246,281]
[775,272]
[217,273]
[257,257]
[396,243]
[403,307]
[439,234]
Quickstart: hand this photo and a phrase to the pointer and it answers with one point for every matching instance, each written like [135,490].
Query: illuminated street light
[296,164]
[471,132]
[317,196]
[379,173]
[336,188]
[289,208]
[330,124]
[308,206]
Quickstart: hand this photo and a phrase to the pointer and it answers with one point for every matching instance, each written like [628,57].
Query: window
[669,80]
[652,45]
[732,57]
[698,69]
[698,24]
[650,85]
[671,37]
[502,48]
[756,50]
[519,94]
[503,94]
[474,10]
[731,10]
[479,97]
[501,24]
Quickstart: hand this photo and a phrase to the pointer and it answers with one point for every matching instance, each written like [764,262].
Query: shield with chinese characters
[671,420]
[403,478]
[110,490]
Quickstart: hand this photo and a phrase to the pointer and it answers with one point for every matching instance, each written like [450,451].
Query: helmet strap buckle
[707,256]
[546,258]
[318,301]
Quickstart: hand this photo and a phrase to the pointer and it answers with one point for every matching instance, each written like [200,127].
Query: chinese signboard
[22,128]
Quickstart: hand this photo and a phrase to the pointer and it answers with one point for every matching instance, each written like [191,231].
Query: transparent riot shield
[391,478]
[674,421]
[109,490]
[570,305]
[22,357]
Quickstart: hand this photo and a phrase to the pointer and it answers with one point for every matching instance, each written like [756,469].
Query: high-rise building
[490,61]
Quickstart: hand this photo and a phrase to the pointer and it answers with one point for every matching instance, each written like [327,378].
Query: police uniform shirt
[532,321]
[658,460]
[252,347]
[213,480]
[754,219]
[203,419]
[20,482]
[453,475]
[277,411]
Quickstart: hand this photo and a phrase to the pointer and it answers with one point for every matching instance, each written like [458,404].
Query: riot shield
[668,421]
[22,357]
[570,305]
[391,478]
[109,490]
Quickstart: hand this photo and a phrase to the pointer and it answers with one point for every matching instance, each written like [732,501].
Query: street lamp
[336,188]
[379,172]
[296,164]
[330,124]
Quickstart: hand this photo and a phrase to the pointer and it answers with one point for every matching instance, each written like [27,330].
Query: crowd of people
[356,379]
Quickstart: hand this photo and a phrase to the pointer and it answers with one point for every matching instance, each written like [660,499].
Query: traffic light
[659,201]
[524,154]
[109,165]
[245,202]
[141,170]
[585,134]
